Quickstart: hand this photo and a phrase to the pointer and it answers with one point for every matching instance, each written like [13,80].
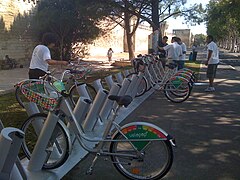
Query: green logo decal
[142,132]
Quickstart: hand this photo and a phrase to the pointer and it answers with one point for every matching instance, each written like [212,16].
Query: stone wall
[16,36]
[17,39]
[115,40]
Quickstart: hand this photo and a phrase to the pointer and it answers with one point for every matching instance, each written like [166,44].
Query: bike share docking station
[92,115]
[10,143]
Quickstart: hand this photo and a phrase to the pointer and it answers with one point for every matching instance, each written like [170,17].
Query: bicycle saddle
[121,100]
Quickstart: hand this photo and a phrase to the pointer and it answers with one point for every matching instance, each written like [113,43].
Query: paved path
[8,78]
[206,128]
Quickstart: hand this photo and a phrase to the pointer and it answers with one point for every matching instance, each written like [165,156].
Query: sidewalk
[8,78]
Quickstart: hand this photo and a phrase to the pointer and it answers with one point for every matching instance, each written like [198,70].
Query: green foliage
[223,18]
[199,39]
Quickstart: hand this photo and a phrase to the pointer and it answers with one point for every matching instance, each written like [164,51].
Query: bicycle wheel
[75,95]
[21,99]
[58,145]
[177,91]
[151,162]
[142,87]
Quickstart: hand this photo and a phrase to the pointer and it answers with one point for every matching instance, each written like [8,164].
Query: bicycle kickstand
[90,169]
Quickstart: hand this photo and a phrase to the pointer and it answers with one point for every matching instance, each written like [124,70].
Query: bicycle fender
[145,130]
[68,135]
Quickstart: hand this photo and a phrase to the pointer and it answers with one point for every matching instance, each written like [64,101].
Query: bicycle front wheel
[142,87]
[58,145]
[151,162]
[75,95]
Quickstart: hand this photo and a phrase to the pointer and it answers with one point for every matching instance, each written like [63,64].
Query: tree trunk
[129,36]
[155,14]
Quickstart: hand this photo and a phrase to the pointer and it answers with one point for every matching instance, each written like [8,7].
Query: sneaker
[210,89]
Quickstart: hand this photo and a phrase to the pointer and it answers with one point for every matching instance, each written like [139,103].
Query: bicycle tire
[58,141]
[142,86]
[157,160]
[74,95]
[20,97]
[177,94]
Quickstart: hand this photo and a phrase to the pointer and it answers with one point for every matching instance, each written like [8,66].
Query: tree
[152,11]
[70,20]
[199,39]
[223,22]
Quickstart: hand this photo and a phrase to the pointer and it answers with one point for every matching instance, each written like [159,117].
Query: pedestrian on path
[109,54]
[212,62]
[41,57]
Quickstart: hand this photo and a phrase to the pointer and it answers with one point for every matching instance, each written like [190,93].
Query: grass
[193,65]
[11,113]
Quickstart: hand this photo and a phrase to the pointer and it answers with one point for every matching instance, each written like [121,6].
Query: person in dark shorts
[212,62]
[41,57]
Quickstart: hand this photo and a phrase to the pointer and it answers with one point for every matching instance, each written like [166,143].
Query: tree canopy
[70,20]
[223,21]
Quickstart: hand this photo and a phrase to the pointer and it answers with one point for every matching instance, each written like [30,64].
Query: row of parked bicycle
[70,110]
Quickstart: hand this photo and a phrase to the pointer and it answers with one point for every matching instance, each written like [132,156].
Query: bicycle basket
[35,91]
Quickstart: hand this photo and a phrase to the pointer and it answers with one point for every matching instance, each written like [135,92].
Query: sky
[178,23]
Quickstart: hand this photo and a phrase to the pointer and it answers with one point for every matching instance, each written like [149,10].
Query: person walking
[174,51]
[41,57]
[212,62]
[182,58]
[109,54]
[163,53]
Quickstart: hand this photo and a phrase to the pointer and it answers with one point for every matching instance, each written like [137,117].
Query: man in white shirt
[174,51]
[212,62]
[41,57]
[182,58]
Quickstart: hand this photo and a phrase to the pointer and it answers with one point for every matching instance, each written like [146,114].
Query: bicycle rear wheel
[58,145]
[151,162]
[75,95]
[142,87]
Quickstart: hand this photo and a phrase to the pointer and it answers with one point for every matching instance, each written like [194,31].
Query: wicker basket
[35,91]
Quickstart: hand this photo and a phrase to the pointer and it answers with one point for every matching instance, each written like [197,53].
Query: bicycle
[132,146]
[177,85]
[71,83]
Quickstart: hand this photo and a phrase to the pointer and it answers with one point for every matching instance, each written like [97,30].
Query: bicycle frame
[81,135]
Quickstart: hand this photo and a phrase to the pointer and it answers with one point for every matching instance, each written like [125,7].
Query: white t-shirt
[40,54]
[184,49]
[214,59]
[174,51]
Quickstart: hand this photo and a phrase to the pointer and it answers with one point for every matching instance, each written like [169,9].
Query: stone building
[185,35]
